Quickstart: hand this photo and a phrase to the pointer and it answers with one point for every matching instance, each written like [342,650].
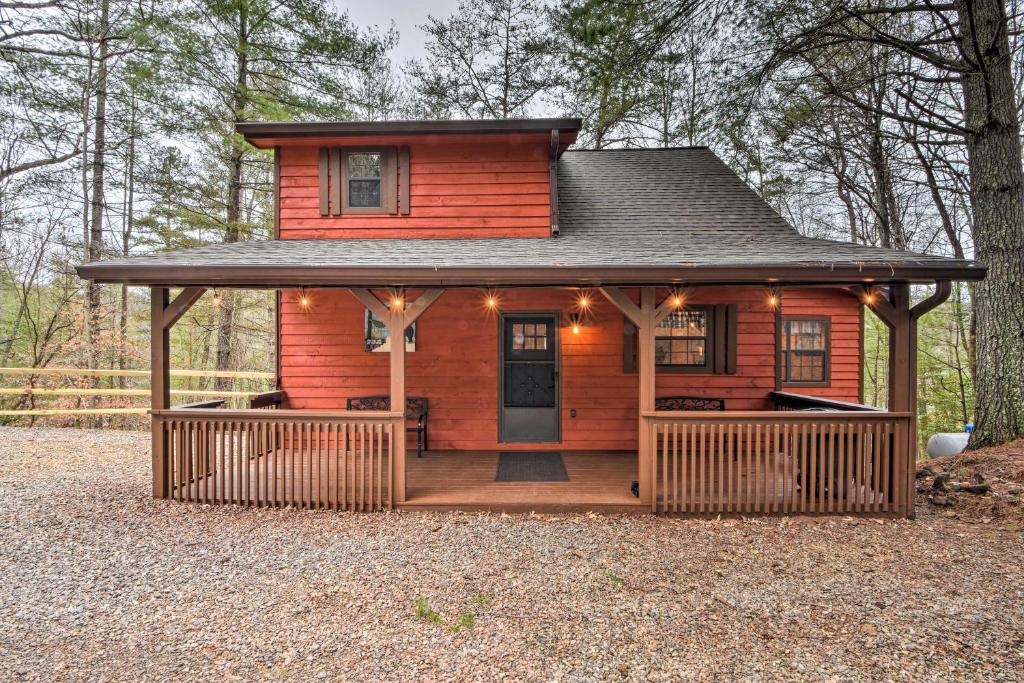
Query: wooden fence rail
[85,372]
[132,393]
[82,392]
[270,458]
[781,462]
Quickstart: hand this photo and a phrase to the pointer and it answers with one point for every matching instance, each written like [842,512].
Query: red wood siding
[455,364]
[460,186]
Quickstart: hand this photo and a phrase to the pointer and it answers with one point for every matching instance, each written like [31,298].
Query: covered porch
[791,454]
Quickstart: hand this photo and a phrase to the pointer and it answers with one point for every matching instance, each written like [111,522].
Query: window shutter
[720,340]
[324,183]
[388,180]
[403,180]
[629,348]
[731,315]
[337,154]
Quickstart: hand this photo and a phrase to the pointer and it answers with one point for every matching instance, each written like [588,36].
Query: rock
[940,482]
[938,499]
[976,489]
[924,472]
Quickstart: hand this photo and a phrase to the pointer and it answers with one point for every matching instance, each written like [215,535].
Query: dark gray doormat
[530,466]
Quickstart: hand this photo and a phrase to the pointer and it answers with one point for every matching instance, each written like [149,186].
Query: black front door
[529,378]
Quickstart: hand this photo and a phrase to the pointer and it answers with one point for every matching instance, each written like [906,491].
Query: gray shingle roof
[678,214]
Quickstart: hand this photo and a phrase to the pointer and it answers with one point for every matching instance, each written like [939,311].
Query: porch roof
[562,260]
[627,217]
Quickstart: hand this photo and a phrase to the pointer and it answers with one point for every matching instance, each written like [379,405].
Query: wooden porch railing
[280,458]
[855,462]
[785,400]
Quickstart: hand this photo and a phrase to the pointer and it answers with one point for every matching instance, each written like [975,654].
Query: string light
[576,322]
[216,298]
[491,300]
[583,302]
[304,298]
[773,298]
[870,297]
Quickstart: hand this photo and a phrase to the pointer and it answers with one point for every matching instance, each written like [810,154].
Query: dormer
[415,179]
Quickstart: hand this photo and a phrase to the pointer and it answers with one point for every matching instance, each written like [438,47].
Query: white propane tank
[949,443]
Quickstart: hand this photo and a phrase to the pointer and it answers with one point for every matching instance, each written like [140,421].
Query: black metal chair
[688,403]
[417,408]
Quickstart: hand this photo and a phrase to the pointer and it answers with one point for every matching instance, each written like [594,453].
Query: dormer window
[364,180]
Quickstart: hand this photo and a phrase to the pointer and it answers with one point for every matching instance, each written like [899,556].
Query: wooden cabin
[622,329]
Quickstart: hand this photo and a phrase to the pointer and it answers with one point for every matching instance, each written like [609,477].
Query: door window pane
[529,336]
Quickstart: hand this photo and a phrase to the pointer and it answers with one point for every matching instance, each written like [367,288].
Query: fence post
[160,385]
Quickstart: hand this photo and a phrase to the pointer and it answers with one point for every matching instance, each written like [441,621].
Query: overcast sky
[406,14]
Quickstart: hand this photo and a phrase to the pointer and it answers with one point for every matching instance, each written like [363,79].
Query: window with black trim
[364,179]
[698,339]
[684,340]
[805,349]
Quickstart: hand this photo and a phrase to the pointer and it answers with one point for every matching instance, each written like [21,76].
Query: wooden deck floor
[445,479]
[438,480]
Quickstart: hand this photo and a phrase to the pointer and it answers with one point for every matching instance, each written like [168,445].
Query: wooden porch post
[163,314]
[901,319]
[396,333]
[398,319]
[160,386]
[646,370]
[645,317]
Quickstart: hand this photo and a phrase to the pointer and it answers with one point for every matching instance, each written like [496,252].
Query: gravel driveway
[100,582]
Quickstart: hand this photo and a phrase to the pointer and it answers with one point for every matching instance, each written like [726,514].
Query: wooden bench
[688,403]
[417,409]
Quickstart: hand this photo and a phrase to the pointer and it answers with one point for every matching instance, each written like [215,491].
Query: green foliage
[464,621]
[424,612]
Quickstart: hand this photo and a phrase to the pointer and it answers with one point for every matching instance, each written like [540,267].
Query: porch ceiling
[569,260]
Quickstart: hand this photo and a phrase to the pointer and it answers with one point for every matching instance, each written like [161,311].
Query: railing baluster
[884,458]
[665,482]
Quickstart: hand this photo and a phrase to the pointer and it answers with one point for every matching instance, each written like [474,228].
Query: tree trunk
[234,201]
[97,205]
[126,240]
[997,200]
